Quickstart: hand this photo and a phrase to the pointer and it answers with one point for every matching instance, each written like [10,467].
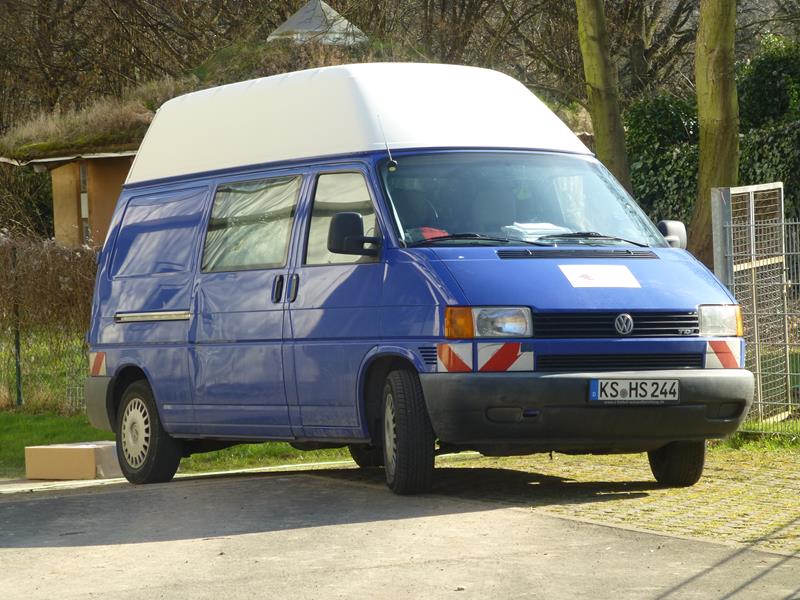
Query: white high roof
[318,22]
[342,110]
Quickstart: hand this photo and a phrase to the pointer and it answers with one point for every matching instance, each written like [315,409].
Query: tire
[408,438]
[366,455]
[678,464]
[146,453]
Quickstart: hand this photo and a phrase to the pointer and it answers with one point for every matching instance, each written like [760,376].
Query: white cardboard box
[87,460]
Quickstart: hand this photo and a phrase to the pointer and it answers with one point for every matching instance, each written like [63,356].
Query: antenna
[391,166]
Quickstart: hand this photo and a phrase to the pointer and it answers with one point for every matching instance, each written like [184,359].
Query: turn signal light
[458,322]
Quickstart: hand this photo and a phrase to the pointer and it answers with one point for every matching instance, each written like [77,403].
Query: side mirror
[346,235]
[674,232]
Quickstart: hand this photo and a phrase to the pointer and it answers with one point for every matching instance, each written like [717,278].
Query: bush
[663,152]
[653,124]
[26,201]
[769,84]
[661,138]
[47,296]
[772,153]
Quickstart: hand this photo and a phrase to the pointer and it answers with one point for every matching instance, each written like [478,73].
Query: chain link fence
[45,301]
[757,254]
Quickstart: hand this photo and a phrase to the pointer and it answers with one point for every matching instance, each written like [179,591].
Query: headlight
[720,319]
[487,321]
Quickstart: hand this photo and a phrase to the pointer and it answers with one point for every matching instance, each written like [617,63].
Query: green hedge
[663,152]
[769,84]
[661,135]
[772,153]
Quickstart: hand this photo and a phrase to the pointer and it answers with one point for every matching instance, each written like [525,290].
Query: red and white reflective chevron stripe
[509,356]
[454,358]
[724,354]
[97,364]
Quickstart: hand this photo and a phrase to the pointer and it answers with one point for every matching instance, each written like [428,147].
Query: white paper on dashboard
[599,276]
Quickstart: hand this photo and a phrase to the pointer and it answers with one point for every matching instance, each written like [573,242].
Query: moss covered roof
[107,125]
[119,124]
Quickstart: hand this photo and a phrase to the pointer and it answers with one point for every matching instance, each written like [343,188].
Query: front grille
[603,253]
[428,354]
[617,362]
[601,325]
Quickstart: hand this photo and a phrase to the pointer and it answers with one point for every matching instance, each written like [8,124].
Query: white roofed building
[317,22]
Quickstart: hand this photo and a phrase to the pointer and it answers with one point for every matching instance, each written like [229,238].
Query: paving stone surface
[749,497]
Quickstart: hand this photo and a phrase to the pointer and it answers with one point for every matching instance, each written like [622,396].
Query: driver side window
[335,193]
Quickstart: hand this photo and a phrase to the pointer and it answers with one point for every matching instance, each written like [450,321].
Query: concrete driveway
[340,534]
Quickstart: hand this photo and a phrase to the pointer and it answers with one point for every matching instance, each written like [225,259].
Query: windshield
[468,198]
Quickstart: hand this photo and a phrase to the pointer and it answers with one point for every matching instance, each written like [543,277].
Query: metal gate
[756,255]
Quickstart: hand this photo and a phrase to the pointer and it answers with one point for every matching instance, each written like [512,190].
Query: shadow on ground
[233,505]
[512,487]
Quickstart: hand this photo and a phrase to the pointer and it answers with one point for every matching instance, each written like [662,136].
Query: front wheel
[678,464]
[146,453]
[408,438]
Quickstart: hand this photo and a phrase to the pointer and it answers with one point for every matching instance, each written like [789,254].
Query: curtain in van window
[250,224]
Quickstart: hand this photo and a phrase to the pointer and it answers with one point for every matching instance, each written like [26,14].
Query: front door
[239,310]
[334,307]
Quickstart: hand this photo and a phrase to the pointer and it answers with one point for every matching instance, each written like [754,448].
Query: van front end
[626,352]
[586,395]
[577,325]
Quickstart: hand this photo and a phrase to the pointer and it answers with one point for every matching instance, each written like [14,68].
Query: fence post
[721,234]
[15,317]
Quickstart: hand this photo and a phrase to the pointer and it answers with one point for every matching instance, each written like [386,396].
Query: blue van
[405,260]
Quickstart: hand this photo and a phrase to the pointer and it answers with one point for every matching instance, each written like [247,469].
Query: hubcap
[389,436]
[135,432]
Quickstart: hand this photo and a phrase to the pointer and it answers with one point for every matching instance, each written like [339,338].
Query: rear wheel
[678,464]
[146,453]
[366,455]
[408,438]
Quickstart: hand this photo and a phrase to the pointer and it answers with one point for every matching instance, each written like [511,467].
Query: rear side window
[158,233]
[250,224]
[338,192]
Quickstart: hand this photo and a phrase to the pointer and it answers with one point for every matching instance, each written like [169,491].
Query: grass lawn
[54,365]
[18,430]
[248,456]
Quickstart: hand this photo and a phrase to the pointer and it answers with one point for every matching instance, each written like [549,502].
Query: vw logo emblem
[623,324]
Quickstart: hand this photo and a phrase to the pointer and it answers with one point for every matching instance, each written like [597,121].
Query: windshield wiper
[475,236]
[591,235]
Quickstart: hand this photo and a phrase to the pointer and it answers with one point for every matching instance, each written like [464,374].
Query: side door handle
[294,283]
[277,289]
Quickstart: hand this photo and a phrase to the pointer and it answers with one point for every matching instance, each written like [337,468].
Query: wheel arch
[125,375]
[376,366]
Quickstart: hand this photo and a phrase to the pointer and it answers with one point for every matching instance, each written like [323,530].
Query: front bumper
[501,412]
[96,393]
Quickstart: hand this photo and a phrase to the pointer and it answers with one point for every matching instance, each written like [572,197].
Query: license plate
[634,391]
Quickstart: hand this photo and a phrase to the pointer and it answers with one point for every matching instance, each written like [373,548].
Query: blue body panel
[242,366]
[673,281]
[237,354]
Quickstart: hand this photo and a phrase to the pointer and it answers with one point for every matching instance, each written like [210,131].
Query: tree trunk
[718,114]
[601,86]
